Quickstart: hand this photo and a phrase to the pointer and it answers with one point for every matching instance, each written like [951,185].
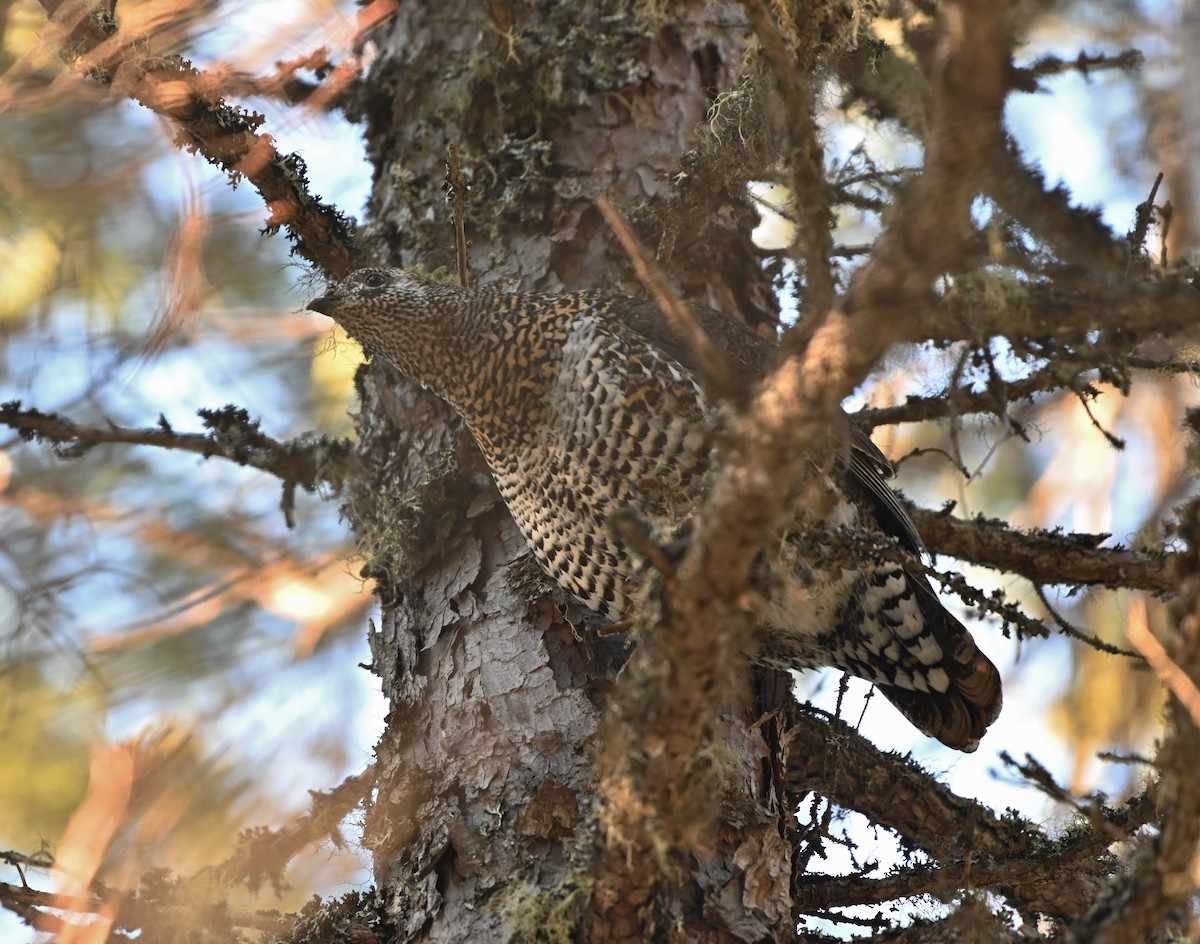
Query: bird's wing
[746,349]
[866,468]
[624,428]
[961,714]
[642,416]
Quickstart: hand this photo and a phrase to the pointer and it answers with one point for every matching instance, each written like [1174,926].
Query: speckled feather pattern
[582,404]
[623,425]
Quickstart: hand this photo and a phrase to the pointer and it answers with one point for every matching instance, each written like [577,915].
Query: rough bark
[488,820]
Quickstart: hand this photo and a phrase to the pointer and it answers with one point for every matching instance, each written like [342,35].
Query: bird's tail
[971,701]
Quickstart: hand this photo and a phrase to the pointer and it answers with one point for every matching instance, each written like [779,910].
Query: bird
[588,406]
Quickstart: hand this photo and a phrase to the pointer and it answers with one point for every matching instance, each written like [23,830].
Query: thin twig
[1082,635]
[810,190]
[714,365]
[1143,214]
[457,188]
[1026,79]
[1182,685]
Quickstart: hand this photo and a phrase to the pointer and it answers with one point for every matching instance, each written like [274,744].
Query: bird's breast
[619,429]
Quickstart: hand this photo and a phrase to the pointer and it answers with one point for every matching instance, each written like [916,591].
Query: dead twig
[457,188]
[714,365]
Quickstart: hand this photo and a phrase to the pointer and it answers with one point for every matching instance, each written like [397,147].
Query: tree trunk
[488,820]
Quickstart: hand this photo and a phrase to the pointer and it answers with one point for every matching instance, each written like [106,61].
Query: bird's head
[412,321]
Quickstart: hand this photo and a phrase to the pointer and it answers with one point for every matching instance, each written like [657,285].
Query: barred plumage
[587,402]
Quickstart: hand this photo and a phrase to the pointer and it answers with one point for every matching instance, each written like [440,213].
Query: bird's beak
[324,304]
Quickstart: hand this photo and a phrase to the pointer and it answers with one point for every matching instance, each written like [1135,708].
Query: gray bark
[487,822]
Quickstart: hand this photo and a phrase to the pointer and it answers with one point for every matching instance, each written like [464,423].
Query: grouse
[588,402]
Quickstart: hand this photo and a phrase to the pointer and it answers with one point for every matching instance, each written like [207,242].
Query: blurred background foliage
[158,600]
[153,595]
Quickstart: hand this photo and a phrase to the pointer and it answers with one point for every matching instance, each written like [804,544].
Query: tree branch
[38,909]
[825,755]
[90,41]
[304,461]
[813,241]
[165,901]
[975,847]
[1045,557]
[1028,78]
[265,853]
[961,401]
[890,85]
[1052,318]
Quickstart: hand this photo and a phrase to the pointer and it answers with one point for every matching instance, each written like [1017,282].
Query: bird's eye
[374,280]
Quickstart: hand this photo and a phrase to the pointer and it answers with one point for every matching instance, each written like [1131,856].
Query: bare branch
[457,188]
[963,401]
[825,755]
[1076,234]
[265,853]
[1143,216]
[307,462]
[1178,681]
[1026,78]
[975,847]
[38,909]
[1061,317]
[714,364]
